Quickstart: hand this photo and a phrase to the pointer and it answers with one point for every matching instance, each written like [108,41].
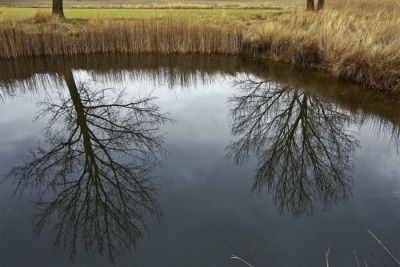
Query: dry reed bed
[117,36]
[354,40]
[357,41]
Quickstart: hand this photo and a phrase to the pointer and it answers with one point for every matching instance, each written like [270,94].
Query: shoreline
[368,61]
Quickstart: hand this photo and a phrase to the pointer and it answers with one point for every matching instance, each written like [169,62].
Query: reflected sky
[209,210]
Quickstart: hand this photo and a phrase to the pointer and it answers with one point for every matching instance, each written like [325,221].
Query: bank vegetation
[354,40]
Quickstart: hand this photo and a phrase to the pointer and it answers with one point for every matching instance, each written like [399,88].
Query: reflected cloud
[305,154]
[95,171]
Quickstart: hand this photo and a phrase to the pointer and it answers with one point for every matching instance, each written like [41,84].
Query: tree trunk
[310,5]
[58,8]
[320,4]
[80,118]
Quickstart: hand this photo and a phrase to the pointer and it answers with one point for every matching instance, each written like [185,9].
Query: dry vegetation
[354,40]
[156,3]
[44,35]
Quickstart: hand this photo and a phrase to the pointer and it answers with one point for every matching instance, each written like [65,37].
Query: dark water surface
[213,156]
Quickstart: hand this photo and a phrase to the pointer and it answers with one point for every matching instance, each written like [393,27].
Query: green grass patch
[19,13]
[86,13]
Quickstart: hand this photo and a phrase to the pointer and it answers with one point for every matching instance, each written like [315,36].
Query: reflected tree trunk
[80,113]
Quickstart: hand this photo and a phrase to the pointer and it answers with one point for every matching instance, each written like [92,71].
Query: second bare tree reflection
[95,173]
[304,152]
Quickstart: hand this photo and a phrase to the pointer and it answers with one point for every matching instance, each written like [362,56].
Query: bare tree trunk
[320,4]
[310,5]
[58,8]
[80,115]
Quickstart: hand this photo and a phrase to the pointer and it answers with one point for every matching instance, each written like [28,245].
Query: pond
[188,160]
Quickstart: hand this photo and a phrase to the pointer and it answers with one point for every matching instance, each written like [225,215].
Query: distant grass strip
[122,13]
[20,13]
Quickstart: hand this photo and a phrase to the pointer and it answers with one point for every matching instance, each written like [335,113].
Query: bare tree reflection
[95,173]
[304,152]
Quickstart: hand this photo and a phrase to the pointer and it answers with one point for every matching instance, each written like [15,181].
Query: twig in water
[326,257]
[366,264]
[358,265]
[398,262]
[237,258]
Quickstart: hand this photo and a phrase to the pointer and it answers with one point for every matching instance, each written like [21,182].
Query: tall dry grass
[354,40]
[46,36]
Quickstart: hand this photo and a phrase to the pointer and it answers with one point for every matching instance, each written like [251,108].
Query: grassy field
[125,13]
[358,41]
[156,3]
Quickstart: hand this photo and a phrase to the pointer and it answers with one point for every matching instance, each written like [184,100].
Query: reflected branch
[304,153]
[95,171]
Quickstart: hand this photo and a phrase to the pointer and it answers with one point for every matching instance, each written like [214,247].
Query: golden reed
[171,35]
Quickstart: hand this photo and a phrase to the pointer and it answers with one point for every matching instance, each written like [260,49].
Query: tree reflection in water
[99,200]
[304,152]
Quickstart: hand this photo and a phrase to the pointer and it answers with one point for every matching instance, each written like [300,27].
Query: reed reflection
[304,152]
[95,171]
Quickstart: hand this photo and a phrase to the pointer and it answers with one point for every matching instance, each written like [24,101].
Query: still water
[186,160]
